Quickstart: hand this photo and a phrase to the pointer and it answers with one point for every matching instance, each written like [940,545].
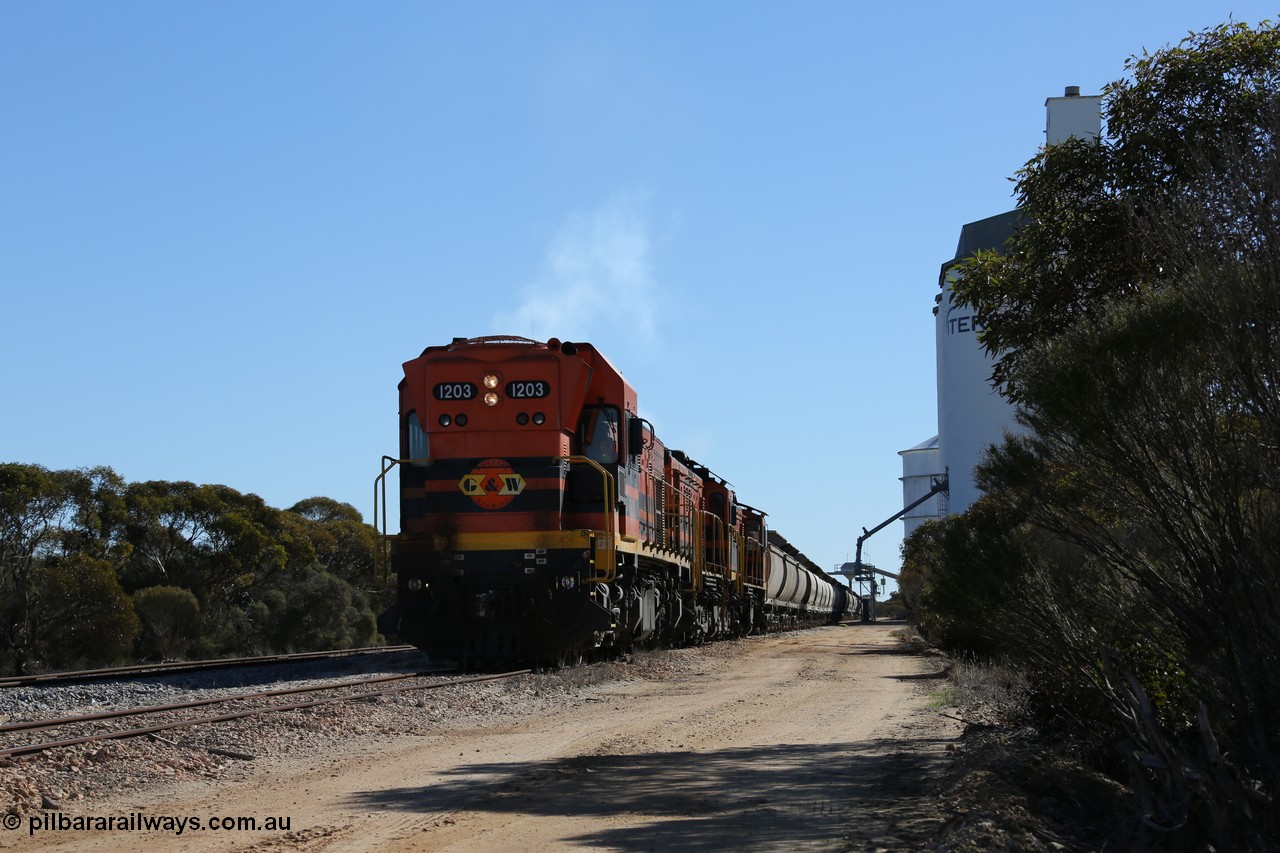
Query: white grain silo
[920,469]
[971,415]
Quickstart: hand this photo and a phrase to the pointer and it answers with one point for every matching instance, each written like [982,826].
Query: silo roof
[985,235]
[927,444]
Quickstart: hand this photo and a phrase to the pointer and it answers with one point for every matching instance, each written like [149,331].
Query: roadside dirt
[819,740]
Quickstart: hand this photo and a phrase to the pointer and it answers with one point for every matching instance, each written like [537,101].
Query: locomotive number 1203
[454,391]
[528,389]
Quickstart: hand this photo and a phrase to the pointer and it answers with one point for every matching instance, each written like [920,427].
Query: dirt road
[819,740]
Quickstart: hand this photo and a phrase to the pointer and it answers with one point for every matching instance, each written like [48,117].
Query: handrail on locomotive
[604,542]
[382,554]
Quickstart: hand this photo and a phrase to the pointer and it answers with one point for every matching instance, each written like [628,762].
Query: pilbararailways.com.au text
[138,822]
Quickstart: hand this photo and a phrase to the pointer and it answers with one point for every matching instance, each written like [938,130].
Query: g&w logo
[492,484]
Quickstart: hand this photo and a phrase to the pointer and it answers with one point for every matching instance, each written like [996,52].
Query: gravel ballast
[80,773]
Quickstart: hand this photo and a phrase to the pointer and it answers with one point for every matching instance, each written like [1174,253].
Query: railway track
[61,722]
[140,670]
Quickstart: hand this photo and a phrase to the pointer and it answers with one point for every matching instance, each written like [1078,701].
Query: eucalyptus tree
[1136,319]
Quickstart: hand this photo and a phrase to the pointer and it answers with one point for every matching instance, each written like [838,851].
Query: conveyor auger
[857,570]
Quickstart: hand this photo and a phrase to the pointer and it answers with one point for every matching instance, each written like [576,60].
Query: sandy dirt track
[818,740]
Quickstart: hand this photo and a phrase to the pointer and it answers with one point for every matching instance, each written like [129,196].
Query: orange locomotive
[542,520]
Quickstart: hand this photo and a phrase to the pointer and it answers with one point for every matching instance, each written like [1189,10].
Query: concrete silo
[971,415]
[920,469]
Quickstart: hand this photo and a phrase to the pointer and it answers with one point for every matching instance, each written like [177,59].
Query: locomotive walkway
[819,740]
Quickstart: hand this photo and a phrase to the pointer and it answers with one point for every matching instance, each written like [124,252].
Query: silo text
[971,323]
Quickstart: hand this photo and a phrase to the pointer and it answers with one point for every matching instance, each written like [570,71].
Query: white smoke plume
[597,283]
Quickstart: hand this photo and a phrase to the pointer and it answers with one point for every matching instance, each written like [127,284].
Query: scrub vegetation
[96,571]
[1125,559]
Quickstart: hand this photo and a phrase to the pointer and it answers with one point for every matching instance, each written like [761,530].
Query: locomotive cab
[596,439]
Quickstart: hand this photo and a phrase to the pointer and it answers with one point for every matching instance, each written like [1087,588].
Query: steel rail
[54,722]
[29,749]
[194,665]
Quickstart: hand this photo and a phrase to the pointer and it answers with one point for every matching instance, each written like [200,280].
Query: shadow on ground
[871,794]
[900,650]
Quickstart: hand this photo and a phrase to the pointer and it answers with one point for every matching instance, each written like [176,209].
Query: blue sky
[224,226]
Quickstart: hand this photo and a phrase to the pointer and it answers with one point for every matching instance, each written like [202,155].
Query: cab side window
[418,445]
[600,435]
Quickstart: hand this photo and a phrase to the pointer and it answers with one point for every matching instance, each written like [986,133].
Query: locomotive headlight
[490,399]
[539,418]
[414,584]
[491,381]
